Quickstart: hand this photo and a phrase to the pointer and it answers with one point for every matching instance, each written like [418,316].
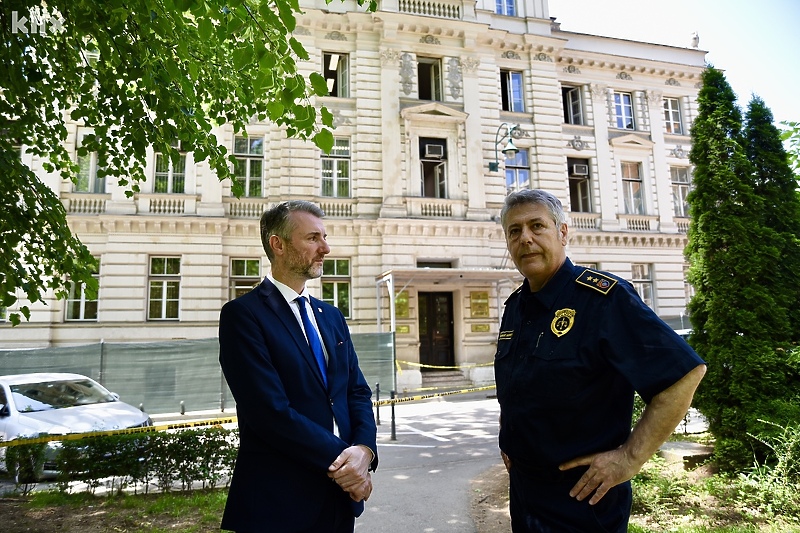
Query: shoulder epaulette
[596,280]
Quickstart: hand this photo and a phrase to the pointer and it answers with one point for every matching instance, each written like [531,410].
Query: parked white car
[58,404]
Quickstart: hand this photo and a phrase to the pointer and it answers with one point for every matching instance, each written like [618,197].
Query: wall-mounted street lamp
[509,149]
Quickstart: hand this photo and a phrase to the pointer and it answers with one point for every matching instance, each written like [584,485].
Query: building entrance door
[436,329]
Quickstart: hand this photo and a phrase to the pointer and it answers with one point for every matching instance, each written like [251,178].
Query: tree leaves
[140,74]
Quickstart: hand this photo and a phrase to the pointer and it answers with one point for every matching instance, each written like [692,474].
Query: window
[623,111]
[518,172]
[429,73]
[245,275]
[170,176]
[336,169]
[506,7]
[336,70]
[680,190]
[672,116]
[165,288]
[632,188]
[511,91]
[88,181]
[580,191]
[571,100]
[3,314]
[336,284]
[79,305]
[249,167]
[433,163]
[642,280]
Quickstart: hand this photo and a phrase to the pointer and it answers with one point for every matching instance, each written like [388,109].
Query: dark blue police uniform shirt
[569,358]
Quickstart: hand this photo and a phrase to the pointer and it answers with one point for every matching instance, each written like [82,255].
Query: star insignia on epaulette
[596,280]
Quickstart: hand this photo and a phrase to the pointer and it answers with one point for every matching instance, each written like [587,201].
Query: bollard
[141,407]
[394,432]
[183,408]
[378,407]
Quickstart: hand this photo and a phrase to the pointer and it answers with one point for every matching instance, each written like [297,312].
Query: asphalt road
[423,479]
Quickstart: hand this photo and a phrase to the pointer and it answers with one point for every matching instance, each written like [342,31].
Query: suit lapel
[275,301]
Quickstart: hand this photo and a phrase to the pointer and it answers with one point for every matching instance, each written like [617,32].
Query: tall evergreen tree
[775,183]
[731,254]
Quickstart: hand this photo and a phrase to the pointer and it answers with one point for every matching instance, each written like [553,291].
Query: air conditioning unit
[434,150]
[580,170]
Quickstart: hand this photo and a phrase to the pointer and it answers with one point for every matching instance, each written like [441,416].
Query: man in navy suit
[306,427]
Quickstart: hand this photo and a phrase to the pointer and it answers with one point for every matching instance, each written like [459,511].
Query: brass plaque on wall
[479,304]
[480,328]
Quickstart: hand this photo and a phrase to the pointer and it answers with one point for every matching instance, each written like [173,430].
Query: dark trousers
[336,516]
[545,506]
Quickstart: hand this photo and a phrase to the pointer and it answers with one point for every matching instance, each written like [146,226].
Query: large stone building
[426,96]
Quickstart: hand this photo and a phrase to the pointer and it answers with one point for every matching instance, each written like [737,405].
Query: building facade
[426,96]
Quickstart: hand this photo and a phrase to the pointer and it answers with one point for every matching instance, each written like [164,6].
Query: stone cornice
[443,228]
[628,240]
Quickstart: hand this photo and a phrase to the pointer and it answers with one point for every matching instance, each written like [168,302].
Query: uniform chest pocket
[557,372]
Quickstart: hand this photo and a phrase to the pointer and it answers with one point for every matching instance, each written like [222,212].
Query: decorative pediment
[631,140]
[434,111]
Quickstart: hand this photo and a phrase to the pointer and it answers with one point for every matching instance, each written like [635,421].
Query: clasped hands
[351,472]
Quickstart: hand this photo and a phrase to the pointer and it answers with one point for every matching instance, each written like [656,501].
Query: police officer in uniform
[573,347]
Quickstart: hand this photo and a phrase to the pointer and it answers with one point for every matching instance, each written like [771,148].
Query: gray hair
[275,221]
[534,196]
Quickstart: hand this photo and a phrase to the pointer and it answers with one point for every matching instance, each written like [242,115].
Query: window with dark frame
[573,105]
[336,70]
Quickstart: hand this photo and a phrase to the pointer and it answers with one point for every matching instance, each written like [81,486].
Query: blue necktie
[313,339]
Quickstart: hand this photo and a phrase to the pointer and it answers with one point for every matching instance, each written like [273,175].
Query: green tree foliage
[140,73]
[775,183]
[740,319]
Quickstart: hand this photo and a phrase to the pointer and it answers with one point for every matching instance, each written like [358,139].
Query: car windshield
[43,396]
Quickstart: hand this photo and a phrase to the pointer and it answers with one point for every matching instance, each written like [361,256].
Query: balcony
[643,223]
[447,9]
[423,207]
[77,203]
[584,221]
[245,207]
[167,204]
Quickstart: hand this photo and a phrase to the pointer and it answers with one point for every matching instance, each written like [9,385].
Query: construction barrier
[210,422]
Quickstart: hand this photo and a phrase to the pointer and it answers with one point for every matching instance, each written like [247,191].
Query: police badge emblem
[563,321]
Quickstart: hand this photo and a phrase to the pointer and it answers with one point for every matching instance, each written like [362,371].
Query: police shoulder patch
[596,280]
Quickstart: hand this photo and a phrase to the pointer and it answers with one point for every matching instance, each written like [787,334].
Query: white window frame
[336,277]
[518,171]
[506,7]
[672,116]
[249,153]
[335,169]
[681,180]
[573,105]
[512,91]
[88,164]
[174,178]
[623,111]
[336,70]
[77,297]
[167,282]
[642,281]
[438,166]
[632,188]
[245,274]
[434,64]
[580,187]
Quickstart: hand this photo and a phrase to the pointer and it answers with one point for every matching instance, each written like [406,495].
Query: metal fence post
[394,432]
[378,407]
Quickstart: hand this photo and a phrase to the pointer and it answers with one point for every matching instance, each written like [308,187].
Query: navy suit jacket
[285,412]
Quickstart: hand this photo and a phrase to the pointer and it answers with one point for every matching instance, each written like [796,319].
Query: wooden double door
[436,329]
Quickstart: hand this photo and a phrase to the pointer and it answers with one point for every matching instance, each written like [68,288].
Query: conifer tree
[776,184]
[731,255]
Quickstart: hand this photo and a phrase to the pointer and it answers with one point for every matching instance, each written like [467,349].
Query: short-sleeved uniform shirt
[569,358]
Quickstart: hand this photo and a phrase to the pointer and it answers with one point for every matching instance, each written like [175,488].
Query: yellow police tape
[146,429]
[209,422]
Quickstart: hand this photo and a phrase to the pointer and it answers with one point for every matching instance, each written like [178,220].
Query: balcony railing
[449,9]
[337,207]
[245,207]
[638,222]
[683,225]
[418,207]
[78,203]
[586,221]
[167,204]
